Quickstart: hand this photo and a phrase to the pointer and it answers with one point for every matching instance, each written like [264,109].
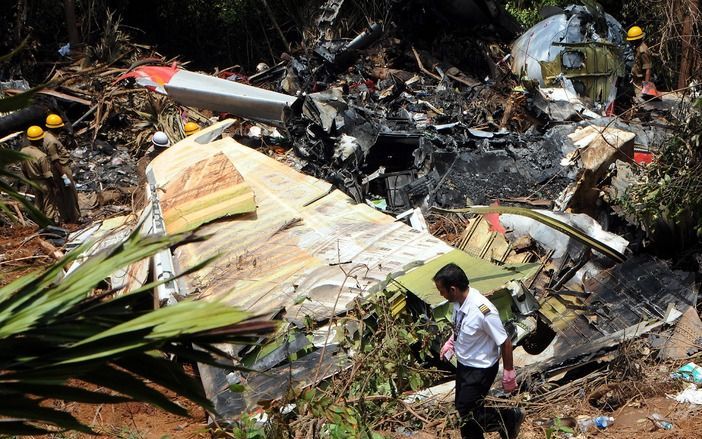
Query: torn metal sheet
[560,243]
[269,385]
[480,240]
[686,339]
[620,303]
[488,278]
[562,104]
[204,91]
[581,44]
[612,245]
[106,234]
[323,108]
[288,248]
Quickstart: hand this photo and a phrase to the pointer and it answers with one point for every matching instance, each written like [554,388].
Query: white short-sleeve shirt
[481,333]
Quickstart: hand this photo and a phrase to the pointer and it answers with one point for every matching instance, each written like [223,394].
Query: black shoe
[513,430]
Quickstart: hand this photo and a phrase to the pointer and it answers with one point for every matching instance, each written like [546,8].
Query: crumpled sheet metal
[537,43]
[209,189]
[560,243]
[483,275]
[216,94]
[328,252]
[623,302]
[272,384]
[171,162]
[105,234]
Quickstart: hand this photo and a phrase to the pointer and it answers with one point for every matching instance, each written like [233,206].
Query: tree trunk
[21,20]
[688,56]
[69,8]
[275,23]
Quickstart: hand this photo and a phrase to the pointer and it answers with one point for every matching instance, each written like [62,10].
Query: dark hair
[451,275]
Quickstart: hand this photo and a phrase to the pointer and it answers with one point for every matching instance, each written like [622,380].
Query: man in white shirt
[477,341]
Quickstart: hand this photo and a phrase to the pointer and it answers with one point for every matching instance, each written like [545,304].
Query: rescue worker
[61,168]
[191,128]
[159,143]
[38,170]
[641,70]
[477,340]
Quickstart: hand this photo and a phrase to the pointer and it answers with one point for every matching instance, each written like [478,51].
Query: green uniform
[60,166]
[38,170]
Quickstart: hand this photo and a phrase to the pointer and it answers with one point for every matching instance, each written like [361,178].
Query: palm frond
[58,331]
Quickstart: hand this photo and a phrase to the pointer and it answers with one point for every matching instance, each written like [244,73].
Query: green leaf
[55,329]
[237,388]
[35,214]
[300,298]
[415,381]
[308,395]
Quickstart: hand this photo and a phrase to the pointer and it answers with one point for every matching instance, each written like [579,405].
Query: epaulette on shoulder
[484,309]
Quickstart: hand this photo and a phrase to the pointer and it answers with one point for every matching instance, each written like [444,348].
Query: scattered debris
[353,172]
[578,49]
[691,395]
[689,372]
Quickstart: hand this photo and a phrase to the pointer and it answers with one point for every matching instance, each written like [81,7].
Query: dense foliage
[667,195]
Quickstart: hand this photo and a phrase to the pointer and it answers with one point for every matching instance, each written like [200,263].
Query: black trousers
[472,385]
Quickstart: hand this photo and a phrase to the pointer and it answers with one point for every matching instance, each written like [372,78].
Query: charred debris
[375,158]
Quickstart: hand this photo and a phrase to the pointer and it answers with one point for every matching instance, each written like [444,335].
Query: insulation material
[208,190]
[596,148]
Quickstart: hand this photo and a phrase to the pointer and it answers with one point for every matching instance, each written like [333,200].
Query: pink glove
[509,380]
[447,350]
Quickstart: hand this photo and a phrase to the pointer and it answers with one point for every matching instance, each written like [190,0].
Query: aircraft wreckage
[306,251]
[292,248]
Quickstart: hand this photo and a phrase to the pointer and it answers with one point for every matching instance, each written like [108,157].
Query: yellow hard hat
[35,133]
[191,128]
[635,33]
[54,121]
